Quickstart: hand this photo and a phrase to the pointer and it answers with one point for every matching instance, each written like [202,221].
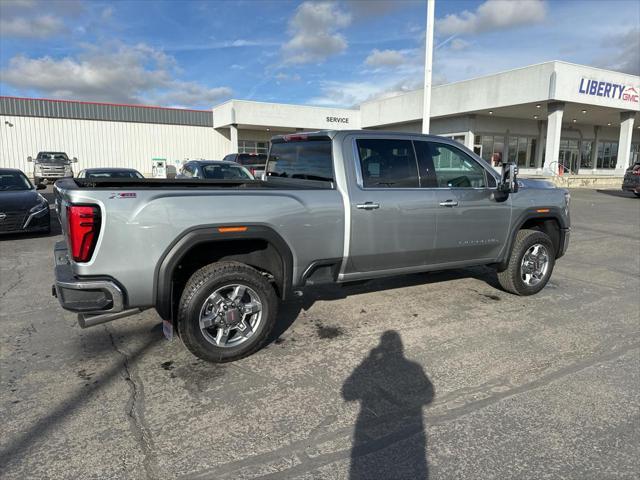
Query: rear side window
[387,163]
[305,161]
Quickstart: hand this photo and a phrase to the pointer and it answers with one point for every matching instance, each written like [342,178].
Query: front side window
[387,163]
[454,169]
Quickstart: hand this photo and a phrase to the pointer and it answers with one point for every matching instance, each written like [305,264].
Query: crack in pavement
[135,413]
[13,285]
[297,449]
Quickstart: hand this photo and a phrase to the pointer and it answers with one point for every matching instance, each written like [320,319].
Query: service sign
[616,91]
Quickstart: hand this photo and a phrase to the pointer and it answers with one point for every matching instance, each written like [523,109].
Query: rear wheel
[37,180]
[530,264]
[227,311]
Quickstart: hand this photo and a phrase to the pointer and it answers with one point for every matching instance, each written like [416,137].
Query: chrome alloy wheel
[230,315]
[534,265]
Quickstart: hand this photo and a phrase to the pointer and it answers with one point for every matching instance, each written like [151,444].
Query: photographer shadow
[389,438]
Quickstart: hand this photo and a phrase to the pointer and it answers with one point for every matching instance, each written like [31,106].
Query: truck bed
[179,183]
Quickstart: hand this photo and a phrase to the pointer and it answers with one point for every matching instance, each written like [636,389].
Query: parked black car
[631,182]
[22,209]
[109,173]
[254,162]
[214,169]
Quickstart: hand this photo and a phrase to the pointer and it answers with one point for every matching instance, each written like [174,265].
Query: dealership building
[546,117]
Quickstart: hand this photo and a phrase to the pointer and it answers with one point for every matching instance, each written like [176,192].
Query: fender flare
[170,259]
[550,213]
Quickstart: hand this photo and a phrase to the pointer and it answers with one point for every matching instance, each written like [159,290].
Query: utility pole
[428,65]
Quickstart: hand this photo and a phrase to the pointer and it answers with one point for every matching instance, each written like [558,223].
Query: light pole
[428,65]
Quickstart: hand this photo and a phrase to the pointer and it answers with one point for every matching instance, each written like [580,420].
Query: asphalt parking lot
[440,375]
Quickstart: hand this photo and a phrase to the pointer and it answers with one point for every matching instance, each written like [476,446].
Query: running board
[86,320]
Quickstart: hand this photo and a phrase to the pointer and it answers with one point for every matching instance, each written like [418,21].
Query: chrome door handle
[449,203]
[368,206]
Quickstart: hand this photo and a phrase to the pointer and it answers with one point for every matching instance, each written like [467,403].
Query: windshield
[60,158]
[226,172]
[14,181]
[115,174]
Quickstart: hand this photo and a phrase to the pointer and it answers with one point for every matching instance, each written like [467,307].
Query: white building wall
[105,144]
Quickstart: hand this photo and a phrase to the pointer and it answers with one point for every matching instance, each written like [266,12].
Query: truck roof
[332,133]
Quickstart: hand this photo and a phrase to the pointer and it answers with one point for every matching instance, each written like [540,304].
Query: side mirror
[509,180]
[29,159]
[41,186]
[75,160]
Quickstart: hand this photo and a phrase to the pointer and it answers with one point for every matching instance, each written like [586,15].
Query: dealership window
[252,146]
[492,148]
[585,159]
[607,154]
[387,163]
[522,150]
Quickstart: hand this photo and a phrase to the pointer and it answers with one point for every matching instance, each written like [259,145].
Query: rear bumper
[631,185]
[94,296]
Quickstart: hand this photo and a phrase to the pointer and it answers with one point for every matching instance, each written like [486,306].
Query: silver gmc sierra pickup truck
[215,257]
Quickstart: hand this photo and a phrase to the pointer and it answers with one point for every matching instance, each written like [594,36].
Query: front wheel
[530,264]
[227,311]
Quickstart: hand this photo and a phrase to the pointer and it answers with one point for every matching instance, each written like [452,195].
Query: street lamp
[428,65]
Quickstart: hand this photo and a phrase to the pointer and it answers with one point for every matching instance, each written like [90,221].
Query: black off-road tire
[198,288]
[511,278]
[37,180]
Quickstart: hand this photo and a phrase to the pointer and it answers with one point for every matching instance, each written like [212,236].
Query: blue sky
[196,54]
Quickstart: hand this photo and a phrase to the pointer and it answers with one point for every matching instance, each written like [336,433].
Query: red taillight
[84,227]
[636,172]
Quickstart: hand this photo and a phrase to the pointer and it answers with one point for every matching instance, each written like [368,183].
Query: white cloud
[35,19]
[351,94]
[494,15]
[385,58]
[314,32]
[187,94]
[112,73]
[458,44]
[371,8]
[625,52]
[41,26]
[281,76]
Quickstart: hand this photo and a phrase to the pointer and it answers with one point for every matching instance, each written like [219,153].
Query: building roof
[110,112]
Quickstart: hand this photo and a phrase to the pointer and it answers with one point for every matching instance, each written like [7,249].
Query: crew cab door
[472,224]
[393,219]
